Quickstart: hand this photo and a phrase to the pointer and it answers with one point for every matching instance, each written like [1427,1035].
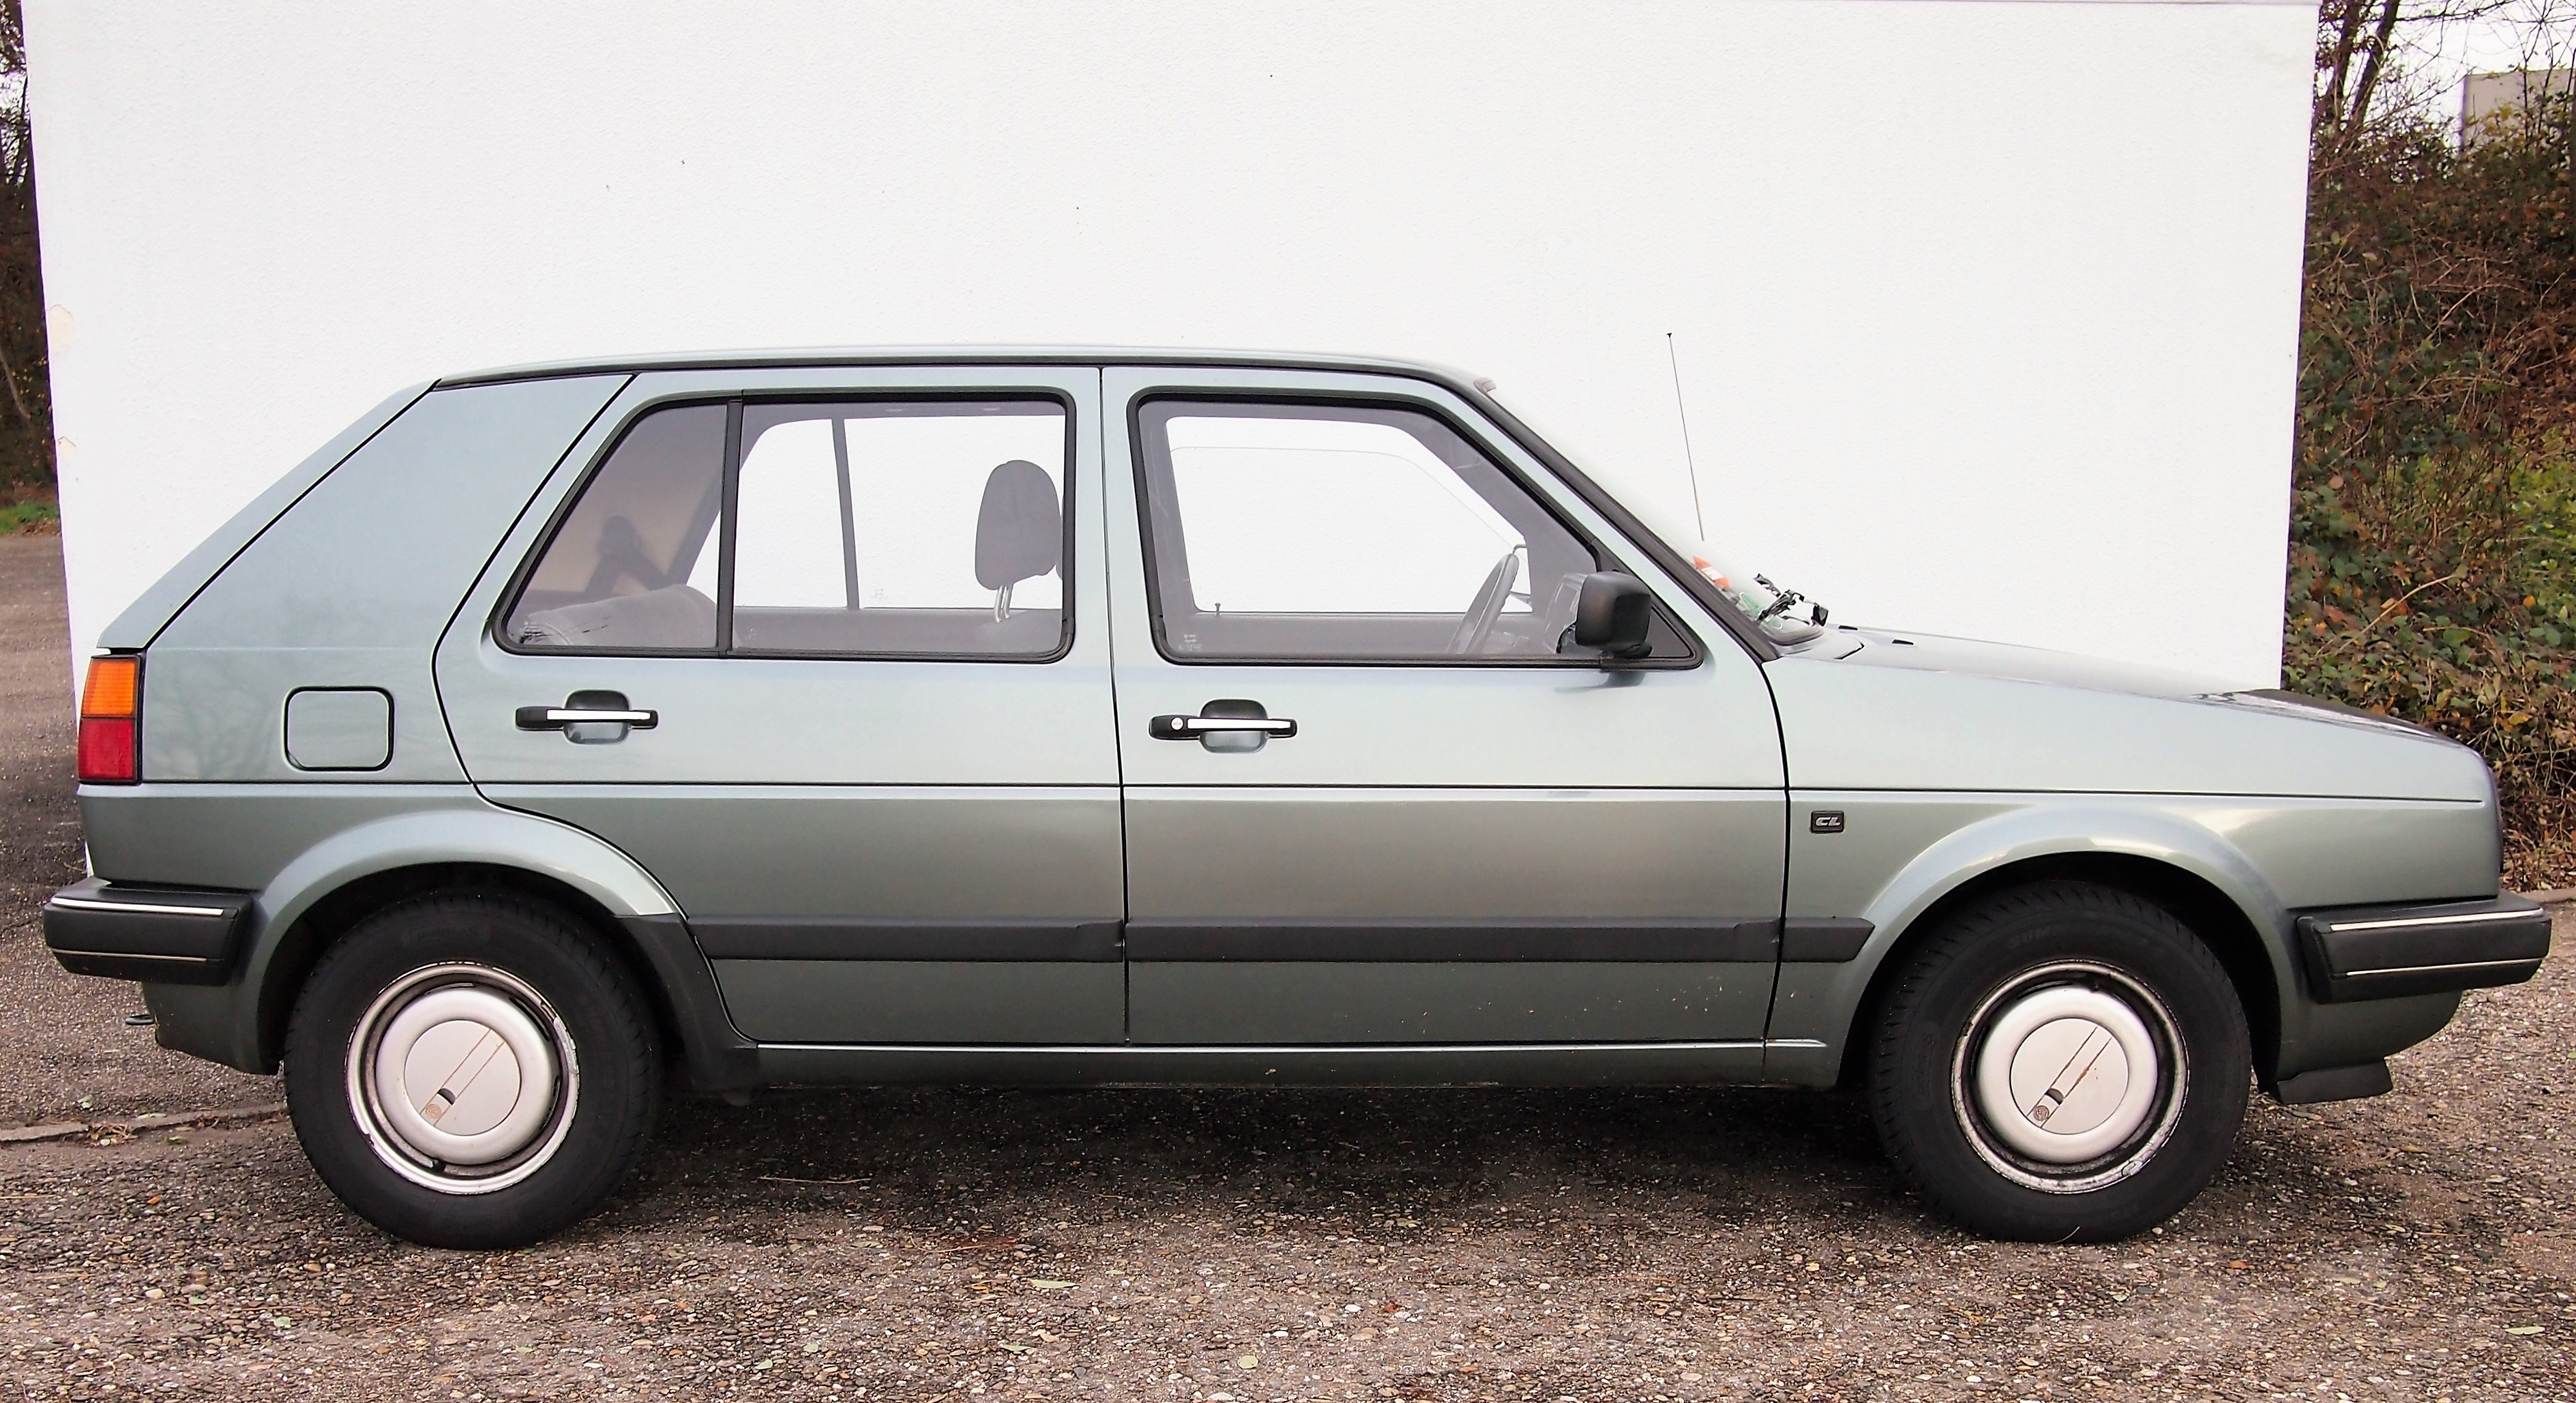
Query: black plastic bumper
[2387,952]
[160,935]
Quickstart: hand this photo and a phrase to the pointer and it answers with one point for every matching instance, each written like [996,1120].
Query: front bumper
[161,935]
[2385,952]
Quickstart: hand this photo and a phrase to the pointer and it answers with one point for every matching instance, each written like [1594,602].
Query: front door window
[1349,533]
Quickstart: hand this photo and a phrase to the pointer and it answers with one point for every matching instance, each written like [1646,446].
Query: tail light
[111,721]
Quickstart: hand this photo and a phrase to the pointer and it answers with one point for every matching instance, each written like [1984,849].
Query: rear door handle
[589,718]
[1227,724]
[555,718]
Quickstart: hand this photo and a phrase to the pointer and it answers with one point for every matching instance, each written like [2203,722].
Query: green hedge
[2433,523]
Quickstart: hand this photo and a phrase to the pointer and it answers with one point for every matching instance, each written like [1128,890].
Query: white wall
[1986,312]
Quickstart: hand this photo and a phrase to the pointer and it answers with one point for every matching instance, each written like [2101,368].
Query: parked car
[558,734]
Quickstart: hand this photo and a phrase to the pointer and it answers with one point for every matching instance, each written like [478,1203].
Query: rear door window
[877,528]
[631,569]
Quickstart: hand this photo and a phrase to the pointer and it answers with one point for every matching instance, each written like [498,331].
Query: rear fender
[235,1023]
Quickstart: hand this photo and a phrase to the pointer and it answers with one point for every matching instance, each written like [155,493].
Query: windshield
[1786,615]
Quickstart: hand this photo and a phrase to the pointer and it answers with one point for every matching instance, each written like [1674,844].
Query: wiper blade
[1783,600]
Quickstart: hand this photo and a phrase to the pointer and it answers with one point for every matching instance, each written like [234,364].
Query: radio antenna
[1698,513]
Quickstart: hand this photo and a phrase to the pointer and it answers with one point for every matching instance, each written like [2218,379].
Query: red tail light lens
[107,751]
[111,721]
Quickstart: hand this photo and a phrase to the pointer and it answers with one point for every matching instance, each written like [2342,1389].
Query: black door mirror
[1611,614]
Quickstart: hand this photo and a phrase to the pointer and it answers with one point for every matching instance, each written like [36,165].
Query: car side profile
[558,736]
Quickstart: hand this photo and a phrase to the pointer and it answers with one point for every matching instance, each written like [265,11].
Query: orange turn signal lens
[114,688]
[111,730]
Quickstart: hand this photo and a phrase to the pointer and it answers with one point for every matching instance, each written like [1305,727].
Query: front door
[1373,795]
[826,651]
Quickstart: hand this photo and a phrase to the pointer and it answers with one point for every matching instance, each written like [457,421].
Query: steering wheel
[1478,622]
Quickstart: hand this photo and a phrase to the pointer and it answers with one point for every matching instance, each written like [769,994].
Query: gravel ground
[64,1048]
[1264,1245]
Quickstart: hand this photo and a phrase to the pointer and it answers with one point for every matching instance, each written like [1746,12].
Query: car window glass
[633,565]
[863,529]
[1332,533]
[1328,516]
[790,555]
[889,529]
[919,484]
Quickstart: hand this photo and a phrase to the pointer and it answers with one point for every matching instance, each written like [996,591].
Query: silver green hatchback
[557,735]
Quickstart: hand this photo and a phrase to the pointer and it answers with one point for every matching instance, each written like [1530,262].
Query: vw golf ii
[555,736]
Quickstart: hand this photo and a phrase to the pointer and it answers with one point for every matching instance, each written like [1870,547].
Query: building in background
[1943,367]
[2484,96]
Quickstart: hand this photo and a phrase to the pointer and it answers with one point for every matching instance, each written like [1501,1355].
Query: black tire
[591,1087]
[1980,1012]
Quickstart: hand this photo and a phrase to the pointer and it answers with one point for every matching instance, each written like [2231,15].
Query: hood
[2008,662]
[1931,652]
[1890,709]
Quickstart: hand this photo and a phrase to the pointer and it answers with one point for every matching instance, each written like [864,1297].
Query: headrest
[1019,534]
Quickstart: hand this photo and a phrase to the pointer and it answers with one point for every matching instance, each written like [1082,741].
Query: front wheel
[2063,1063]
[471,1071]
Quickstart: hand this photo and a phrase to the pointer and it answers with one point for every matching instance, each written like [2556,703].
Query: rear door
[1369,800]
[827,652]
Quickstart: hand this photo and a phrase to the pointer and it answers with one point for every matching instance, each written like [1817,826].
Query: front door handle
[1228,724]
[589,718]
[1194,727]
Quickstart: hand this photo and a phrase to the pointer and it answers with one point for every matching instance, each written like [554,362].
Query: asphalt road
[1267,1245]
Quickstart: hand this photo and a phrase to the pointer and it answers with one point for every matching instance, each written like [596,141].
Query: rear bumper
[164,935]
[2385,952]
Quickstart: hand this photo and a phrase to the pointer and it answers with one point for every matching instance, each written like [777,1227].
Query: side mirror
[1611,614]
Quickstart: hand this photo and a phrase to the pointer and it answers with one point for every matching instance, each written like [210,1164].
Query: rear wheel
[471,1071]
[2061,1063]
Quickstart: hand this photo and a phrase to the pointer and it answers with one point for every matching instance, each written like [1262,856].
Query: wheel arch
[302,944]
[319,896]
[2190,897]
[2176,855]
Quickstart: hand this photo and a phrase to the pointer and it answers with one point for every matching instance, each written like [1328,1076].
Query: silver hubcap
[2069,1077]
[462,1078]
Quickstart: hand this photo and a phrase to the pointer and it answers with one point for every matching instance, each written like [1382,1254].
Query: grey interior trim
[1751,939]
[842,938]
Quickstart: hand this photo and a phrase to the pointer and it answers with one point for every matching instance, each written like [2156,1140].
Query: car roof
[962,355]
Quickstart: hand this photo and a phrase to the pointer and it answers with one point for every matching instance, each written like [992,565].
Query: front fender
[1914,850]
[225,1022]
